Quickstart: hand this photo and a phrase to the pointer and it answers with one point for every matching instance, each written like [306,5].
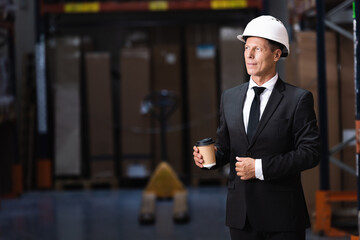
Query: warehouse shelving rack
[127,13]
[325,197]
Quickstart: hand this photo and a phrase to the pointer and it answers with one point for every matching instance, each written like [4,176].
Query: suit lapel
[273,103]
[239,108]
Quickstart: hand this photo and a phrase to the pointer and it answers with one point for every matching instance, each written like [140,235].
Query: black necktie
[254,112]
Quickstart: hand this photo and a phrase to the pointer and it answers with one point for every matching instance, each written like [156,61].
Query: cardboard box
[291,66]
[202,34]
[165,35]
[136,144]
[66,87]
[167,75]
[232,63]
[100,114]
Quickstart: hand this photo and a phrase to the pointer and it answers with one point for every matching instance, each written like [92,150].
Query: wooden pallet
[87,184]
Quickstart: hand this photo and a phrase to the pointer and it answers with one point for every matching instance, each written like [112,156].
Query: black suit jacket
[287,141]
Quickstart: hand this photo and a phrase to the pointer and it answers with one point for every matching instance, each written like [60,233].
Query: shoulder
[291,90]
[235,90]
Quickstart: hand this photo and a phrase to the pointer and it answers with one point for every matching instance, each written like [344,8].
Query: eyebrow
[247,45]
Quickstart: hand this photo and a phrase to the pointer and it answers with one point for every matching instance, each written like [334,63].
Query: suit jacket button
[248,154]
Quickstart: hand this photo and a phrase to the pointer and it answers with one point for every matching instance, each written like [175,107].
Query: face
[260,59]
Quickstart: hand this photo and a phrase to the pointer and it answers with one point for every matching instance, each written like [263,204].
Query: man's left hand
[245,168]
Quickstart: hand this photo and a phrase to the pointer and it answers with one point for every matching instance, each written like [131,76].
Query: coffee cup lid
[205,141]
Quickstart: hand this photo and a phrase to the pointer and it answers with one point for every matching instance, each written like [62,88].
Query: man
[265,196]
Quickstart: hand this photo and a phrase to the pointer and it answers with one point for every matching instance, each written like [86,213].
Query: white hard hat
[267,27]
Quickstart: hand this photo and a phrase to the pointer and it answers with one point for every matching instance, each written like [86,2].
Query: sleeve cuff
[258,169]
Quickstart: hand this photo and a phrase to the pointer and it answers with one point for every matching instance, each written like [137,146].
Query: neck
[260,80]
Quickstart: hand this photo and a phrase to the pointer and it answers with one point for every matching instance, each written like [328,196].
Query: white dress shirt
[264,98]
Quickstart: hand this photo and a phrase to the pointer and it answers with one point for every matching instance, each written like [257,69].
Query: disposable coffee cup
[207,150]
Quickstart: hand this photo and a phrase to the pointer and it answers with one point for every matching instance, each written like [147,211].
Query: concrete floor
[112,214]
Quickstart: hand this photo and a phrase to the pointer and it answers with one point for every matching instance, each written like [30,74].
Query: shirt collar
[268,85]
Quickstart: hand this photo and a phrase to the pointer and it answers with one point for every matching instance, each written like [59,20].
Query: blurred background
[95,95]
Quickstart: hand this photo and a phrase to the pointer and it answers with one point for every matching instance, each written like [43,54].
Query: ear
[277,55]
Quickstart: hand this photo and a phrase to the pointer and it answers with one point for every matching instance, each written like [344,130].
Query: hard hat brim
[241,38]
[285,51]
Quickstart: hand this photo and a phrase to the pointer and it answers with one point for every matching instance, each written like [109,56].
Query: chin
[251,73]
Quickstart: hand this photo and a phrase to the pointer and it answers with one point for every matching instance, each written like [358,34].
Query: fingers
[198,159]
[244,175]
[239,168]
[244,168]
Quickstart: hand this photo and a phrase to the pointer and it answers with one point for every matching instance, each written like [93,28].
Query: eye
[258,49]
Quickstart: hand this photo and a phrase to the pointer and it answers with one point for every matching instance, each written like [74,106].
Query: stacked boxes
[212,65]
[202,88]
[135,138]
[232,63]
[167,76]
[66,86]
[100,114]
[166,65]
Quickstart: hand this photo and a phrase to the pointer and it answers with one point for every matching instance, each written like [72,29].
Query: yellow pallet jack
[164,182]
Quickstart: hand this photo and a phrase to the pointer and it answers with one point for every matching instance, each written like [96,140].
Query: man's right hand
[198,158]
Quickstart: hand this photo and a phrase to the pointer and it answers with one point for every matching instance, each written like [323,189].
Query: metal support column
[356,16]
[321,68]
[42,151]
